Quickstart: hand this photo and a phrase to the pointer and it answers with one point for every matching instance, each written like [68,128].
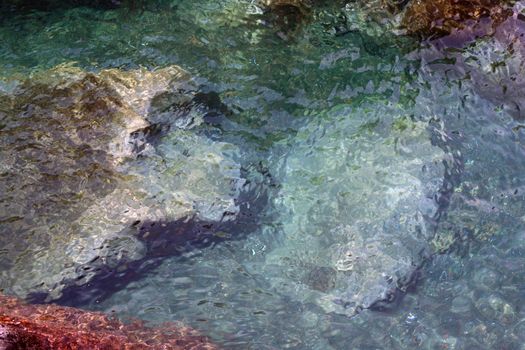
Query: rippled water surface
[326,185]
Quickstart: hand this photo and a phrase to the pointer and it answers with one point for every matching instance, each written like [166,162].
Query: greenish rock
[78,170]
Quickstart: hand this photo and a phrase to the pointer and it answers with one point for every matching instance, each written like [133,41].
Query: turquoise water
[381,201]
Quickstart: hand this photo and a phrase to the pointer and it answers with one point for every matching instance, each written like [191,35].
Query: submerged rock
[301,5]
[357,194]
[80,166]
[489,71]
[288,16]
[497,66]
[440,17]
[24,326]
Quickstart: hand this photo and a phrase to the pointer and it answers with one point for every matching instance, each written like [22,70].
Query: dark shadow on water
[163,240]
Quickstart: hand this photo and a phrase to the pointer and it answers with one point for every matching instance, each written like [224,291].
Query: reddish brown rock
[440,17]
[288,16]
[42,327]
[394,6]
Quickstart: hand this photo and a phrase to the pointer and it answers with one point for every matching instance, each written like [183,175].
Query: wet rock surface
[75,146]
[41,327]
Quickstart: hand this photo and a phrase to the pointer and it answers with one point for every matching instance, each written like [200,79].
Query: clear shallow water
[365,132]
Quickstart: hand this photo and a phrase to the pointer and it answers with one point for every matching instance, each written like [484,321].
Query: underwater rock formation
[24,326]
[86,156]
[440,17]
[358,197]
[288,16]
[490,70]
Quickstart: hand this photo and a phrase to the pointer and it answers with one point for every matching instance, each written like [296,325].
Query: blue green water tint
[378,180]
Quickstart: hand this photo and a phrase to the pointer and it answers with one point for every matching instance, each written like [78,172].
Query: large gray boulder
[359,189]
[78,170]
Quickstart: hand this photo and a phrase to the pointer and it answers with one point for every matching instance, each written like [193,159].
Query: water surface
[370,162]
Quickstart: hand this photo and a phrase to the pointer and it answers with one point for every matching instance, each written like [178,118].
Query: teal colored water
[381,205]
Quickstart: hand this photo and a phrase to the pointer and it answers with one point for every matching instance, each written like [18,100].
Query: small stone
[461,305]
[486,279]
[322,278]
[495,308]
